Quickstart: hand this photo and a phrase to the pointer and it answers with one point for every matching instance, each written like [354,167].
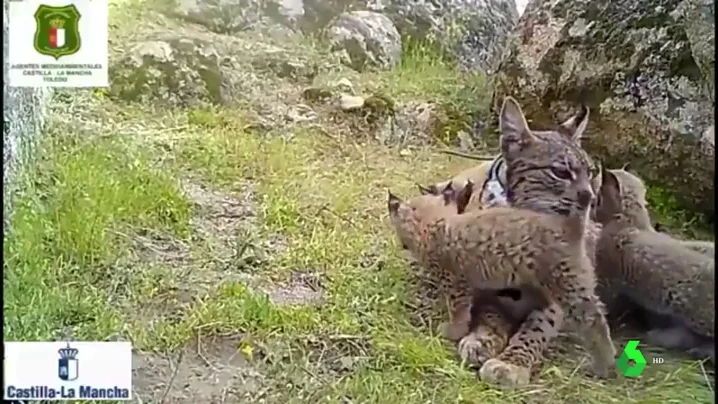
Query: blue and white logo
[68,365]
[49,371]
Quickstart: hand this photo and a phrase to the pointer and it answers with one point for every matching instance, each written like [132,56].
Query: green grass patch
[667,210]
[70,226]
[428,75]
[327,199]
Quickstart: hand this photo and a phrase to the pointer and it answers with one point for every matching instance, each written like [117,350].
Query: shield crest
[67,365]
[57,31]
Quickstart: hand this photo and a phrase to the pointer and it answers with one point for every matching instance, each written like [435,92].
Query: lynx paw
[603,371]
[504,374]
[474,351]
[704,352]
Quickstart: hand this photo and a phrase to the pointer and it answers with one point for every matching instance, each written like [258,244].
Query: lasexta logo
[631,353]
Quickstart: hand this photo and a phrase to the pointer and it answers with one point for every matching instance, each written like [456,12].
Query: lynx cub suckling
[659,273]
[507,247]
[495,314]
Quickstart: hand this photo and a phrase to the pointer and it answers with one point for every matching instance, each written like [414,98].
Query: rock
[474,31]
[233,16]
[178,70]
[635,65]
[349,102]
[319,13]
[699,20]
[222,16]
[345,85]
[286,12]
[190,66]
[411,124]
[367,38]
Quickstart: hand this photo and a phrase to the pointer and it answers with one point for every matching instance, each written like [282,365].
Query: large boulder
[366,39]
[188,66]
[474,31]
[644,67]
[233,16]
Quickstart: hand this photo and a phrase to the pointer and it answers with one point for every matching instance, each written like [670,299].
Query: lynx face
[547,171]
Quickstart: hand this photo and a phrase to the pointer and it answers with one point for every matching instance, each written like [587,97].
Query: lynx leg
[459,318]
[512,368]
[487,338]
[586,314]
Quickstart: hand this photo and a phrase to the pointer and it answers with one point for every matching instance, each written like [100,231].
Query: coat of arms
[57,31]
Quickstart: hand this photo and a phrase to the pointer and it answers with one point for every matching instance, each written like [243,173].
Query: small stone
[350,102]
[465,140]
[345,85]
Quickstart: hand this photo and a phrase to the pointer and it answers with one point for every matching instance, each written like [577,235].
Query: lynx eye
[562,173]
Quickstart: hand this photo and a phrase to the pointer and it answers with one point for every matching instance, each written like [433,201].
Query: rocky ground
[230,222]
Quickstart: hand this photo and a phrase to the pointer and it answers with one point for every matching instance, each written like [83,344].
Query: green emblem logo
[631,352]
[56,30]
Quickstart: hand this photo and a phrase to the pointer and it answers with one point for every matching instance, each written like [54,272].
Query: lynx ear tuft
[393,203]
[430,190]
[575,126]
[609,196]
[515,132]
[464,197]
[448,193]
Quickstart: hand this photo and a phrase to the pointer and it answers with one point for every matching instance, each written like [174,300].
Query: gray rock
[699,20]
[175,69]
[223,16]
[349,102]
[410,124]
[474,31]
[635,65]
[366,38]
[189,66]
[232,16]
[24,110]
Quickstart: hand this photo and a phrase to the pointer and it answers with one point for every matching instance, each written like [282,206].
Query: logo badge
[57,31]
[67,365]
[631,353]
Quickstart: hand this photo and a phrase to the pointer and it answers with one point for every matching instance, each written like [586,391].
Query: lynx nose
[584,197]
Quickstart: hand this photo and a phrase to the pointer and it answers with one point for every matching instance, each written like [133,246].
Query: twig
[575,370]
[326,208]
[199,353]
[467,155]
[137,396]
[705,375]
[172,378]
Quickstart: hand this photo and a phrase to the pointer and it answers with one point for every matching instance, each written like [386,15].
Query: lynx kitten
[657,272]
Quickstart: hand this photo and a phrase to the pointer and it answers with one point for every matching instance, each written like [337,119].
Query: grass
[669,212]
[326,198]
[176,227]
